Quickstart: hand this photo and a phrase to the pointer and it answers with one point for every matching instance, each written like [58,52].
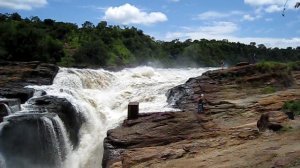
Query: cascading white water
[42,134]
[102,97]
[58,139]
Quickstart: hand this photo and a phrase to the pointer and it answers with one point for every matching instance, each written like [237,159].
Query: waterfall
[33,139]
[102,97]
[2,161]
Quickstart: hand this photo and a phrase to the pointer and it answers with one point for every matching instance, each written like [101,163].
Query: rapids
[102,97]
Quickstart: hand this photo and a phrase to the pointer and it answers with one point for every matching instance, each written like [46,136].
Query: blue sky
[236,20]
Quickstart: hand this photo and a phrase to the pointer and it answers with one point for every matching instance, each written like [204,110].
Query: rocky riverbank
[16,75]
[226,136]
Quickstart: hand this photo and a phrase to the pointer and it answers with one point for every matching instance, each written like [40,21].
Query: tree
[252,43]
[261,46]
[102,25]
[35,19]
[108,45]
[3,17]
[88,25]
[15,16]
[49,22]
[93,53]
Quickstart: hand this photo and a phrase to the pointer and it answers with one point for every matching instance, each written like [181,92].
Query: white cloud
[129,14]
[271,6]
[211,15]
[227,30]
[248,18]
[263,2]
[269,41]
[218,29]
[269,19]
[22,4]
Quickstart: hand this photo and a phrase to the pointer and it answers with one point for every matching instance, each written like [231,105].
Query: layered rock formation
[225,136]
[16,75]
[219,86]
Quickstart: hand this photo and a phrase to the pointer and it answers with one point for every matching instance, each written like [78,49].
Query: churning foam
[102,97]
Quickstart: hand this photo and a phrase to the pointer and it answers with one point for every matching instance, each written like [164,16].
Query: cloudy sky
[236,20]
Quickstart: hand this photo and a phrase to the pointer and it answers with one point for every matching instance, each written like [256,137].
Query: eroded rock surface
[225,136]
[16,75]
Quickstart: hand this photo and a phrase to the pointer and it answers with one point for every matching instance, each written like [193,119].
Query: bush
[269,66]
[293,106]
[268,90]
[294,66]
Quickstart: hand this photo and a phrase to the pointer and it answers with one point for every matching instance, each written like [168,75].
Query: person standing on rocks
[222,64]
[201,102]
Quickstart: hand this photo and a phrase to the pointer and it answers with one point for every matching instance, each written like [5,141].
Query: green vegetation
[294,65]
[268,90]
[292,106]
[286,128]
[66,44]
[271,66]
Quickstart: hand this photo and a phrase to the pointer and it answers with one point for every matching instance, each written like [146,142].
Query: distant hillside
[66,44]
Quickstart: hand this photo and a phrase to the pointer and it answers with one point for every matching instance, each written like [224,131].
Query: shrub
[294,65]
[269,66]
[268,90]
[293,106]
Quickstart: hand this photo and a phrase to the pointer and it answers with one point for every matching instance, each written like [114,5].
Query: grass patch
[268,90]
[294,66]
[286,128]
[270,66]
[294,164]
[292,106]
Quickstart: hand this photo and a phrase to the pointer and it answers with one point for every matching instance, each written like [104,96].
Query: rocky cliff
[226,135]
[16,75]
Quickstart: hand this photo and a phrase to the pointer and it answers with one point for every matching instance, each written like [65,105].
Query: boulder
[4,111]
[272,120]
[242,64]
[13,104]
[153,130]
[17,92]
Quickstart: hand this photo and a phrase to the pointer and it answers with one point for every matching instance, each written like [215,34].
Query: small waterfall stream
[102,98]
